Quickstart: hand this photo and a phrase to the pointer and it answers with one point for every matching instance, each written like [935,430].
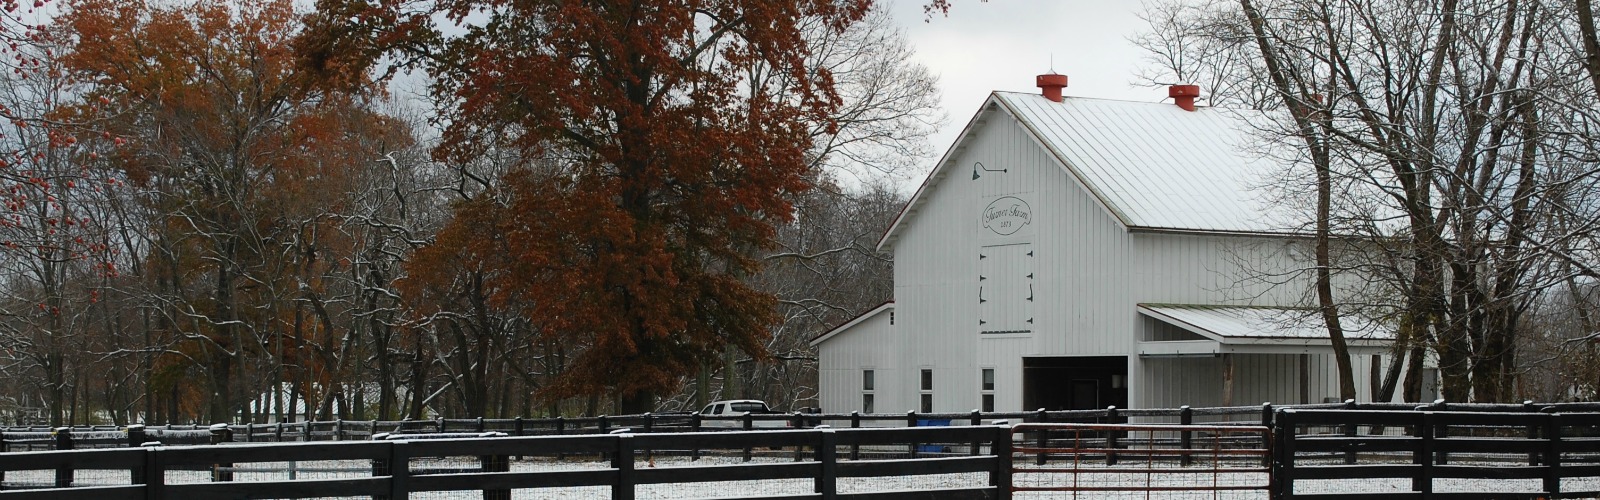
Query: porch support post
[1305,378]
[1227,379]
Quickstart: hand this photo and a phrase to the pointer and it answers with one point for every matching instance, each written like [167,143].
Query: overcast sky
[1002,44]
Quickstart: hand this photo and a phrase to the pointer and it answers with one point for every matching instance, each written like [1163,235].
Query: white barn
[1074,253]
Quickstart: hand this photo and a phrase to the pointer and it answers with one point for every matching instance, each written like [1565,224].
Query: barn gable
[1151,166]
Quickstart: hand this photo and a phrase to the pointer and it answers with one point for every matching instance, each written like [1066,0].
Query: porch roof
[1255,330]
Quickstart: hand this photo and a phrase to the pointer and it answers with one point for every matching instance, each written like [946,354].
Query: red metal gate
[1141,461]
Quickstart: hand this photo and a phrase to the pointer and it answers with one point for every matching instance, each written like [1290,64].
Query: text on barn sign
[1007,215]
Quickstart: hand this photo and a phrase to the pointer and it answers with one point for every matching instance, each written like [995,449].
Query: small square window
[866,403]
[868,381]
[927,403]
[988,379]
[927,380]
[988,402]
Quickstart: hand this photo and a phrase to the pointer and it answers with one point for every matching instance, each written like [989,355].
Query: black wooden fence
[42,438]
[1431,452]
[983,450]
[1398,451]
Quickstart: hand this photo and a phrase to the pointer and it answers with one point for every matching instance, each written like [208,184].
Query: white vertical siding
[842,358]
[1089,272]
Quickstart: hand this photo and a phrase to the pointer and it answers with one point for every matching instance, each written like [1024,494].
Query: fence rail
[1439,454]
[34,438]
[392,472]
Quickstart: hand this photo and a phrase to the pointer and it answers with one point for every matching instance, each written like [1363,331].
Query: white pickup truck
[729,413]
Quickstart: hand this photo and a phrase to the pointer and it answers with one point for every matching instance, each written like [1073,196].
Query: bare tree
[1441,149]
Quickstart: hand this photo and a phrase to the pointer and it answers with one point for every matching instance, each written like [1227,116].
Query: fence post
[305,432]
[1266,421]
[1282,476]
[1000,478]
[1111,436]
[694,425]
[221,434]
[1350,431]
[855,423]
[154,475]
[338,429]
[1040,456]
[1552,455]
[911,421]
[63,437]
[605,428]
[623,462]
[649,427]
[136,436]
[798,423]
[519,426]
[1425,456]
[1441,431]
[977,420]
[749,423]
[828,480]
[1185,437]
[1533,432]
[249,432]
[399,470]
[438,425]
[561,428]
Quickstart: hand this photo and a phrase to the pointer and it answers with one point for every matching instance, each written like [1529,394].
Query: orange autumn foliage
[246,164]
[651,169]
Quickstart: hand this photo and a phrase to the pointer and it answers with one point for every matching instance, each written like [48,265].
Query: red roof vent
[1050,85]
[1184,95]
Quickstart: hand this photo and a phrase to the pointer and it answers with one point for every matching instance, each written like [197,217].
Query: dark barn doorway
[1074,383]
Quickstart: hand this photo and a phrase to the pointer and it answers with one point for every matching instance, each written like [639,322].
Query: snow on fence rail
[12,438]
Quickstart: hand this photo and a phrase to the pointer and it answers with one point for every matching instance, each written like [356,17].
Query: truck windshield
[748,407]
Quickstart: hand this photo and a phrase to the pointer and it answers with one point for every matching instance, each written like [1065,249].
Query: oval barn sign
[1007,215]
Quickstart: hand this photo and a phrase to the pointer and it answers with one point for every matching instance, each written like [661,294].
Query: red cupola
[1050,85]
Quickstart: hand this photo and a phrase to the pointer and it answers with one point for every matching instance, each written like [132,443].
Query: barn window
[868,385]
[927,390]
[987,388]
[1006,288]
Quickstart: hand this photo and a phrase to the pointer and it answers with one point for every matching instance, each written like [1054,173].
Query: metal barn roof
[1250,322]
[1153,165]
[1250,329]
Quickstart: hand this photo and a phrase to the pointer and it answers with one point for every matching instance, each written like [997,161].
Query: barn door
[1006,291]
